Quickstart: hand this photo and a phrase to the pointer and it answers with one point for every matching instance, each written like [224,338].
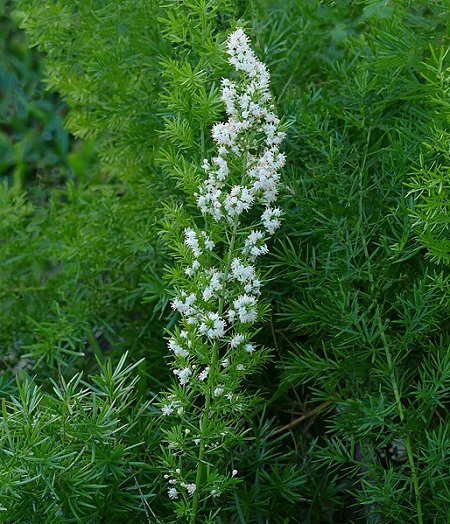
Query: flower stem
[204,420]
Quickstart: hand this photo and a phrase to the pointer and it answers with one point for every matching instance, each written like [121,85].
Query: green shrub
[352,425]
[73,455]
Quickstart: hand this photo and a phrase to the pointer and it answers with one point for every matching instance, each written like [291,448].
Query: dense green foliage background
[354,424]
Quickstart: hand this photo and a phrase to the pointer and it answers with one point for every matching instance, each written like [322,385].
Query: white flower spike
[218,301]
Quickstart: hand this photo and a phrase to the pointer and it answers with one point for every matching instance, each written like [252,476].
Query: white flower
[225,134]
[248,109]
[209,202]
[173,493]
[245,306]
[191,241]
[221,172]
[253,287]
[206,166]
[185,307]
[231,315]
[257,251]
[207,293]
[204,374]
[167,409]
[209,244]
[229,96]
[184,375]
[271,219]
[241,272]
[212,326]
[263,171]
[218,391]
[237,340]
[190,271]
[245,274]
[191,488]
[216,280]
[238,200]
[243,58]
[215,284]
[244,173]
[254,245]
[254,237]
[177,349]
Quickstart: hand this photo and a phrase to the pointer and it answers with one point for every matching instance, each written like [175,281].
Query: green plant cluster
[69,456]
[36,152]
[353,425]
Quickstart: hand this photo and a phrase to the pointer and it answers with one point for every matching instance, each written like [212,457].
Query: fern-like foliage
[353,422]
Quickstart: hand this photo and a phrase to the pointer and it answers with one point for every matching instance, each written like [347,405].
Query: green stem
[204,420]
[393,379]
[412,465]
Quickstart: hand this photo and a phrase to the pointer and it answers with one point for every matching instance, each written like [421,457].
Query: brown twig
[305,416]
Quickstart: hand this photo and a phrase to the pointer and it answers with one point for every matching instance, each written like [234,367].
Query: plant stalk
[204,420]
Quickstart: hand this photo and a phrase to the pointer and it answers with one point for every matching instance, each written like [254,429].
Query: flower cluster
[212,349]
[174,481]
[251,124]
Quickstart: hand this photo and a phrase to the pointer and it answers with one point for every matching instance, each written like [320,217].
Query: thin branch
[305,416]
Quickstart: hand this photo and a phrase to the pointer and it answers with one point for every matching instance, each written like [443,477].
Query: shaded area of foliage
[36,151]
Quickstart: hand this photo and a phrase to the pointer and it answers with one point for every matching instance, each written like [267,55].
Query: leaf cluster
[72,455]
